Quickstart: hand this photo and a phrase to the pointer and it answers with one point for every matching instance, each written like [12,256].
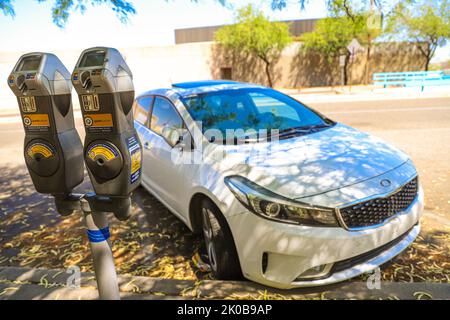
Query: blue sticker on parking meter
[136,158]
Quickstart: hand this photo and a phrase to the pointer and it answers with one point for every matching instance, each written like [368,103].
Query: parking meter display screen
[29,63]
[93,59]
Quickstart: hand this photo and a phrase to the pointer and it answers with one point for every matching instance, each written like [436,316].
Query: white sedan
[283,195]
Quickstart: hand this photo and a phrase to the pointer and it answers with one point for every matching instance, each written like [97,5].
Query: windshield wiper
[295,131]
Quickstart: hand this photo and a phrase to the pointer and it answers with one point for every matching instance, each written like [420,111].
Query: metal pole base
[102,257]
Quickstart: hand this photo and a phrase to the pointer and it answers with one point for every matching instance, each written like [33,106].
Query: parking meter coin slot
[86,79]
[20,82]
[104,160]
[41,157]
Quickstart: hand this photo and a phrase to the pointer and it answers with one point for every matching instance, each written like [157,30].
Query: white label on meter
[90,102]
[27,104]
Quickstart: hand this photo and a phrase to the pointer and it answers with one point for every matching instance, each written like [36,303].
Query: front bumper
[290,250]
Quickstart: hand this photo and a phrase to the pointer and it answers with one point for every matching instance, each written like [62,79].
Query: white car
[283,195]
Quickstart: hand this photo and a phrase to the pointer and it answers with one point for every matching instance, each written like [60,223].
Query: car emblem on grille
[385,182]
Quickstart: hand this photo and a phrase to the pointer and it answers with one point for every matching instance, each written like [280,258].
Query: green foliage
[254,34]
[7,8]
[365,19]
[62,8]
[348,19]
[426,23]
[330,37]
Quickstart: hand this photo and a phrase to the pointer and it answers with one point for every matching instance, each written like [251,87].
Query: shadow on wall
[226,63]
[295,68]
[312,70]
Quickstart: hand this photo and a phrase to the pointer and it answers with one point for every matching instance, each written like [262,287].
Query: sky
[153,24]
[33,30]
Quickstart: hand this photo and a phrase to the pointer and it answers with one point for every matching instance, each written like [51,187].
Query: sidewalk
[365,93]
[8,108]
[42,284]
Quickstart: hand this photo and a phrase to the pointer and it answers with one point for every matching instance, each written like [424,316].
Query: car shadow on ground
[153,242]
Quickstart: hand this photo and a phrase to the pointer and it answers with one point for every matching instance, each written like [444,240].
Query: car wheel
[219,244]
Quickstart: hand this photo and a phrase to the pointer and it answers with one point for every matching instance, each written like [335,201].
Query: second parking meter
[112,150]
[52,148]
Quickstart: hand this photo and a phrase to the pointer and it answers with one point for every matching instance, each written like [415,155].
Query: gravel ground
[153,242]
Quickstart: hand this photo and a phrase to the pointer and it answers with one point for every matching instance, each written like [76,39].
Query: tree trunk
[427,53]
[347,60]
[269,77]
[367,67]
[427,64]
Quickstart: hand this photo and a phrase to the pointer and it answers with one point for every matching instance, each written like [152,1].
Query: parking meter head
[52,148]
[112,151]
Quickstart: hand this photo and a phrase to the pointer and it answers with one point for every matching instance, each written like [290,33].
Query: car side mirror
[172,135]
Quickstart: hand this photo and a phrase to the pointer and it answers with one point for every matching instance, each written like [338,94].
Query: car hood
[315,163]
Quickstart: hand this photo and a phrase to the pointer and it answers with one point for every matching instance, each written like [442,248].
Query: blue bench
[411,79]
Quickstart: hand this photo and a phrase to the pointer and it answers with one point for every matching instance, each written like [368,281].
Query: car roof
[184,89]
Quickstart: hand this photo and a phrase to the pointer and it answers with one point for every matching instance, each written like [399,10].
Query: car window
[249,109]
[164,117]
[141,109]
[266,104]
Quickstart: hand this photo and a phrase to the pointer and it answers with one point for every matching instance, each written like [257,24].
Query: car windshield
[252,110]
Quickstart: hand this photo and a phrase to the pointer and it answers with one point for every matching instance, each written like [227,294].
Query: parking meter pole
[102,257]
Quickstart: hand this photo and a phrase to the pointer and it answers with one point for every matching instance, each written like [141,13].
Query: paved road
[419,127]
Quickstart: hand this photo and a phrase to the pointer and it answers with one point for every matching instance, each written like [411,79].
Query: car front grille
[378,210]
[364,257]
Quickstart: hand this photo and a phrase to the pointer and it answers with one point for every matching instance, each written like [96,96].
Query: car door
[165,174]
[141,114]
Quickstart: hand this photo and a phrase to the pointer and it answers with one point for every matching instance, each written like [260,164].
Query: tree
[366,15]
[7,8]
[62,8]
[330,38]
[255,35]
[366,19]
[424,23]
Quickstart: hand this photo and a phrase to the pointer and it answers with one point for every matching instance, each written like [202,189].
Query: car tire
[219,243]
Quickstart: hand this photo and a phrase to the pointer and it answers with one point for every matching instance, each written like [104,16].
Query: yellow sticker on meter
[36,120]
[103,150]
[98,120]
[39,148]
[135,161]
[136,158]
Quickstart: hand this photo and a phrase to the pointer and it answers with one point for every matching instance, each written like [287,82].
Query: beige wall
[155,67]
[296,69]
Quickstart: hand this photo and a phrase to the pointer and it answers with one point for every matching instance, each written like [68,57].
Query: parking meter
[52,148]
[112,150]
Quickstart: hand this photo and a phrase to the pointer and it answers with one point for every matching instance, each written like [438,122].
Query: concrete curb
[26,283]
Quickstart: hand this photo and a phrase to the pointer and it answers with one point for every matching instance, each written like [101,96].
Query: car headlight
[275,207]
